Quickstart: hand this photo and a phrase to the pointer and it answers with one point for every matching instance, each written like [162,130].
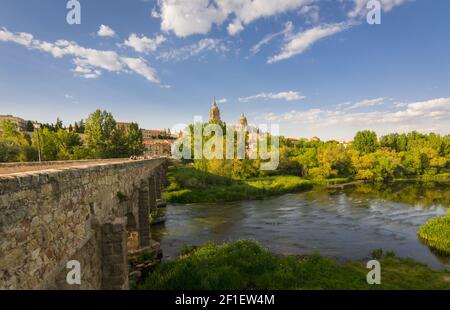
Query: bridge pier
[114,255]
[158,185]
[144,211]
[152,193]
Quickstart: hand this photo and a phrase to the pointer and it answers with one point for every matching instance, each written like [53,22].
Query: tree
[365,141]
[58,124]
[13,142]
[134,140]
[100,127]
[9,151]
[30,127]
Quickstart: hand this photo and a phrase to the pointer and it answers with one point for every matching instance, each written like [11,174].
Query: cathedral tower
[214,114]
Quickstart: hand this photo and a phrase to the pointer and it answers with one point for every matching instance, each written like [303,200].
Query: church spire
[214,114]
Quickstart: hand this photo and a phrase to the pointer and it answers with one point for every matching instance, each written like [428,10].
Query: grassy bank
[436,233]
[188,185]
[247,265]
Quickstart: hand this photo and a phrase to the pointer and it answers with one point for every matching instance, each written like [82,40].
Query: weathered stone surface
[49,217]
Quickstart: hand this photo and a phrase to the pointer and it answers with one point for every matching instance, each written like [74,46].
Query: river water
[345,224]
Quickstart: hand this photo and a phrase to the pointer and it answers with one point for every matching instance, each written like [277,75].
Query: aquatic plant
[436,234]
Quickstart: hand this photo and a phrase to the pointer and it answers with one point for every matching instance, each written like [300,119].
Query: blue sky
[315,67]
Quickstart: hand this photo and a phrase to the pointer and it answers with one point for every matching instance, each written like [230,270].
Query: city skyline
[316,68]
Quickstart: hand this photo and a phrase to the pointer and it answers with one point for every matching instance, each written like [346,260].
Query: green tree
[14,143]
[30,127]
[134,140]
[365,141]
[100,127]
[9,151]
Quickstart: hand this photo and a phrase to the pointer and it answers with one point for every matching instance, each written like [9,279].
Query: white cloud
[235,27]
[412,116]
[223,100]
[287,31]
[88,62]
[367,103]
[360,6]
[300,42]
[311,13]
[204,45]
[287,96]
[106,31]
[185,18]
[143,44]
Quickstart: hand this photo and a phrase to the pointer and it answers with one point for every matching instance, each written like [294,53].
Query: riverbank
[188,185]
[247,265]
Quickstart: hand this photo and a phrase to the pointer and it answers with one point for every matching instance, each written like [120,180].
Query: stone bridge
[52,213]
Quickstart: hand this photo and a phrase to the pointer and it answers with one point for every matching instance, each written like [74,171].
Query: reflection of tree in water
[426,194]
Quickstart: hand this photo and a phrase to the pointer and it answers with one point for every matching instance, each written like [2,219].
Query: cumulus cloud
[88,62]
[300,42]
[360,6]
[186,52]
[287,96]
[411,116]
[185,18]
[105,31]
[143,44]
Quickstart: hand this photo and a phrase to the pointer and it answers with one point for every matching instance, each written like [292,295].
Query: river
[346,224]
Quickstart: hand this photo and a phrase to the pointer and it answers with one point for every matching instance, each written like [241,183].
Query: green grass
[436,234]
[247,265]
[188,185]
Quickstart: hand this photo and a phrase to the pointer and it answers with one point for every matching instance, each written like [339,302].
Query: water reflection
[344,224]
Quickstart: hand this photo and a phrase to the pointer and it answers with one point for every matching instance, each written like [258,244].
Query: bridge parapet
[49,217]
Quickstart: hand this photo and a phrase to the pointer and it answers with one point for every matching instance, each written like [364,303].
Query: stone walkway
[8,169]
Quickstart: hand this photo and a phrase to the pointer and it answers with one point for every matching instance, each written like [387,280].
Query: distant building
[346,144]
[123,125]
[158,147]
[156,134]
[214,114]
[21,123]
[293,141]
[243,121]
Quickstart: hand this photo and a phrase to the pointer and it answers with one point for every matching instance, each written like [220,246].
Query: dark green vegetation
[394,156]
[436,233]
[100,137]
[188,185]
[247,265]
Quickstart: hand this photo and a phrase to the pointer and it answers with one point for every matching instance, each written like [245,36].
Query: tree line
[96,138]
[368,157]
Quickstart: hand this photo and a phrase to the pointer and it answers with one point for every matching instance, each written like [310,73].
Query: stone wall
[50,217]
